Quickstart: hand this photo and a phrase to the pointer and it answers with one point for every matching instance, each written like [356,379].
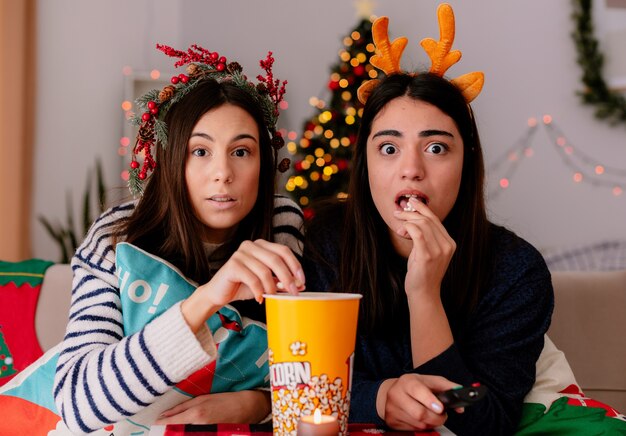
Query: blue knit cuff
[363,402]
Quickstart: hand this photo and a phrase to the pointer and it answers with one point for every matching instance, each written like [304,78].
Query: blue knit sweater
[498,346]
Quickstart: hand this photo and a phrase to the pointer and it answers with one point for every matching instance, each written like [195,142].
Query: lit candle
[318,425]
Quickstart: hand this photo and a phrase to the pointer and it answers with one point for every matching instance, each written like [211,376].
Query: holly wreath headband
[201,64]
[388,55]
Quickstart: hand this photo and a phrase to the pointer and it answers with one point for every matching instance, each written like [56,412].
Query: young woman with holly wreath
[209,209]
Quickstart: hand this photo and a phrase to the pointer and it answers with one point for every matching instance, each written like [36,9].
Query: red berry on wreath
[145,116]
[134,164]
[220,67]
[175,80]
[151,105]
[142,175]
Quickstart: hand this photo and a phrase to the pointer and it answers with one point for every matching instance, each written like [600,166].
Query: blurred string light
[513,156]
[584,168]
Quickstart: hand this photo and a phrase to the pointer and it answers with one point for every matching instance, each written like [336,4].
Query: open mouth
[221,198]
[403,201]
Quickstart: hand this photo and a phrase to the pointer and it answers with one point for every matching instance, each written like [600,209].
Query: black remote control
[462,396]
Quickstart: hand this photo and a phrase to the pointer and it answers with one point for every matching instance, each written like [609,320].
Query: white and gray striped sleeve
[103,377]
[288,224]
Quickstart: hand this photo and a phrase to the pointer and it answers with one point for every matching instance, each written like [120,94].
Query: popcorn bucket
[311,340]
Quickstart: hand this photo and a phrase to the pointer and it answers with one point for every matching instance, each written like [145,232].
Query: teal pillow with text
[148,287]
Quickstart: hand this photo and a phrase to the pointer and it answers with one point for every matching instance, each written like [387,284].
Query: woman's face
[222,170]
[413,149]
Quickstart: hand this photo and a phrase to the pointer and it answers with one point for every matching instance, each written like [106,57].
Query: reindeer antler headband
[388,55]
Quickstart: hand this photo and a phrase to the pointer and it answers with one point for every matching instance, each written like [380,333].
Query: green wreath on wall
[610,105]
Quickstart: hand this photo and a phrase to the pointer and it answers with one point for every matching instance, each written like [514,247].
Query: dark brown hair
[369,263]
[163,222]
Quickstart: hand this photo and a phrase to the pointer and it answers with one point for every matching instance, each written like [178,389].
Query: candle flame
[317,416]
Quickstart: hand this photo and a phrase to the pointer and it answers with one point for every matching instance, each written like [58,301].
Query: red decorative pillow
[20,283]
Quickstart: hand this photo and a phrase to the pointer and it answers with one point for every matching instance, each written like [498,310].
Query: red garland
[275,90]
[194,53]
[149,164]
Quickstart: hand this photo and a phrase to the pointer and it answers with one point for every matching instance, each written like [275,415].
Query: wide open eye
[388,149]
[436,148]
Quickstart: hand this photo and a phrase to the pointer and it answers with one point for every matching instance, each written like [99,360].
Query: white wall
[524,48]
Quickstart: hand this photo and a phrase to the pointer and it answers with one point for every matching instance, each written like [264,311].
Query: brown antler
[387,57]
[442,57]
[439,52]
[388,53]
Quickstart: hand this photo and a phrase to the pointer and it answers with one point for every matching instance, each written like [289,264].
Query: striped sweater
[103,377]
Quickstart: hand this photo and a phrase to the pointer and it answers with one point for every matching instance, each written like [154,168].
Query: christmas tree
[6,359]
[323,153]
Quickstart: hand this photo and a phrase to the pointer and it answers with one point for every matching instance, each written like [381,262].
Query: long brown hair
[163,222]
[369,263]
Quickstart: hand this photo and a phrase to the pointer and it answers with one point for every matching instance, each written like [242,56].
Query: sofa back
[589,326]
[53,306]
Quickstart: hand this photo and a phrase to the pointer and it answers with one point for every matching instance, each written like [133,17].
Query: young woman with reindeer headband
[209,209]
[449,298]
